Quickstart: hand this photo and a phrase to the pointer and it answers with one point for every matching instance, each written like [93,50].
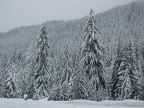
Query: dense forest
[97,57]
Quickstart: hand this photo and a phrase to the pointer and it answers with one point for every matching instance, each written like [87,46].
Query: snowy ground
[20,103]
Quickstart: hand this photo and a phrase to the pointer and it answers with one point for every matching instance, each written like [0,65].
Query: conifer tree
[9,82]
[67,72]
[42,73]
[91,59]
[124,78]
[3,76]
[79,82]
[142,77]
[63,80]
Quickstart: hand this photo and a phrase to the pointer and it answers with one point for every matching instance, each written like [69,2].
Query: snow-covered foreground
[20,103]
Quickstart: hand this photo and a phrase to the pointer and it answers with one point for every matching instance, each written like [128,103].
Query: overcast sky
[15,13]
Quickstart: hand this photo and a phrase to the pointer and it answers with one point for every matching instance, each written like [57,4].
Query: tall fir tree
[67,72]
[124,77]
[63,80]
[9,82]
[30,67]
[92,61]
[42,73]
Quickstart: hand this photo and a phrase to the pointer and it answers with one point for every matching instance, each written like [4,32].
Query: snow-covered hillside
[99,57]
[20,103]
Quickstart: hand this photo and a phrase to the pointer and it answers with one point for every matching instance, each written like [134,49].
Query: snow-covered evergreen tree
[62,89]
[79,82]
[30,68]
[91,59]
[142,76]
[42,73]
[66,80]
[55,89]
[3,67]
[18,64]
[9,82]
[124,78]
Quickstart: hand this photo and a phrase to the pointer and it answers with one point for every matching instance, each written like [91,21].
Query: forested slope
[123,23]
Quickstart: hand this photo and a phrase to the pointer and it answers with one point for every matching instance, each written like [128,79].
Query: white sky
[15,13]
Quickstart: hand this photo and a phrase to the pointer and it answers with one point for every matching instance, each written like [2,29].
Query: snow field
[20,103]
